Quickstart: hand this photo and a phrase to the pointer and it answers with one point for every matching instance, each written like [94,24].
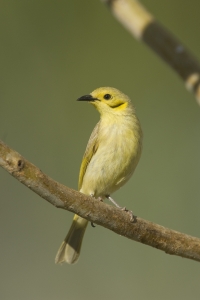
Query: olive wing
[91,149]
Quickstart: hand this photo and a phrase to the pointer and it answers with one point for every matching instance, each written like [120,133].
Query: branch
[142,25]
[170,241]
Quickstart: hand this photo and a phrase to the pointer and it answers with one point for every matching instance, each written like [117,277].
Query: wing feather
[91,149]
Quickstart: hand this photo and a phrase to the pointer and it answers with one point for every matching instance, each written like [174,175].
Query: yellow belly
[113,163]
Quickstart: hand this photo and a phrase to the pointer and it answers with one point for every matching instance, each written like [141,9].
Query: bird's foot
[99,199]
[133,218]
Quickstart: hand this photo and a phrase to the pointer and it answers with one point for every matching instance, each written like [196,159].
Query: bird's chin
[94,103]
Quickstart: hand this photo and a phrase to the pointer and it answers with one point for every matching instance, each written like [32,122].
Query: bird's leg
[115,203]
[132,216]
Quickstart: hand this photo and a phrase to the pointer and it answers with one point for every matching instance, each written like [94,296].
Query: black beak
[86,98]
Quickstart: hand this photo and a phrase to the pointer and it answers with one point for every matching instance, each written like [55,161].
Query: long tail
[70,248]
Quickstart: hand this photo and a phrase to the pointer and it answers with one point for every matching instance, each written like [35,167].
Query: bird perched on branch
[110,159]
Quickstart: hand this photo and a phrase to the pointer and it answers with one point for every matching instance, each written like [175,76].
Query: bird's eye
[107,96]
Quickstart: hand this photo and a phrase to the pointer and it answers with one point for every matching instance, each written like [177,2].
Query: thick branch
[170,241]
[143,26]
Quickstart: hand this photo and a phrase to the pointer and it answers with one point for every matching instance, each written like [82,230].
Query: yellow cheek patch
[121,106]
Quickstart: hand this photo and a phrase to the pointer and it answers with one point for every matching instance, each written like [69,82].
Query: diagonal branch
[170,241]
[142,25]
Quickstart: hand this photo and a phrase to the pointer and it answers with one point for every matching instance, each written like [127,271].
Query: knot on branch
[15,162]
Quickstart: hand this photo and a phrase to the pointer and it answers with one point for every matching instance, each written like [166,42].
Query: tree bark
[154,235]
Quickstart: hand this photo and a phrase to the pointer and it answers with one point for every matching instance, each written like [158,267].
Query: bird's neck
[126,121]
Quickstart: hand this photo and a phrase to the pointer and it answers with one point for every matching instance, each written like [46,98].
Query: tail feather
[70,248]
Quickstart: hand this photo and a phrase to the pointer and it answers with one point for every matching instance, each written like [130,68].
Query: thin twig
[170,241]
[142,25]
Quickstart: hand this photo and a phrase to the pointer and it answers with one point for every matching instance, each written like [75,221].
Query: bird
[110,158]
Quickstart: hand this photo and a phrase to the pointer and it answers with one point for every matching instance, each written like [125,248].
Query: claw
[100,199]
[133,218]
[124,208]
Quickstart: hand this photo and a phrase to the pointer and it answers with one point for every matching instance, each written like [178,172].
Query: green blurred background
[52,52]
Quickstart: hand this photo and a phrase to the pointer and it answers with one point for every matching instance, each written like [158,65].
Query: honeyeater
[110,158]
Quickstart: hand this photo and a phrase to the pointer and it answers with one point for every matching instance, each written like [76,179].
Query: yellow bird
[111,156]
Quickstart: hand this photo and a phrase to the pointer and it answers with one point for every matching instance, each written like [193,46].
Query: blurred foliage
[52,52]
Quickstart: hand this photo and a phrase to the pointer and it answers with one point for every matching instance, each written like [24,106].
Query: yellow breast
[119,148]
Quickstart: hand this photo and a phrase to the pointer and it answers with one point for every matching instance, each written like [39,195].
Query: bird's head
[108,100]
